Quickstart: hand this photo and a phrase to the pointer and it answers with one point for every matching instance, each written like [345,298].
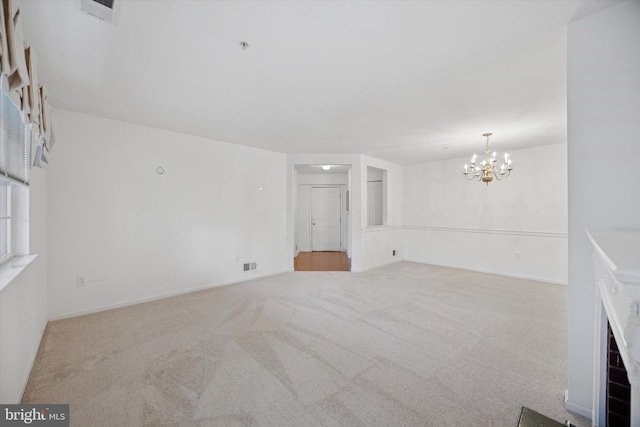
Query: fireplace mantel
[616,262]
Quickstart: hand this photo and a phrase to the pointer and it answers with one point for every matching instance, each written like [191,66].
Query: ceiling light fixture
[244,45]
[326,167]
[485,171]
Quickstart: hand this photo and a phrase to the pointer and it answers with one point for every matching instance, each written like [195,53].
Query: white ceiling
[317,169]
[395,80]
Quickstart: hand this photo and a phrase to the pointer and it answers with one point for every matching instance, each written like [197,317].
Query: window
[5,220]
[15,155]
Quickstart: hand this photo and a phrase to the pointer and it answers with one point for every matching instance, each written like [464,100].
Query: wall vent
[250,266]
[101,9]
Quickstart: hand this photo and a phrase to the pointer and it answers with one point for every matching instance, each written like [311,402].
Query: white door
[325,219]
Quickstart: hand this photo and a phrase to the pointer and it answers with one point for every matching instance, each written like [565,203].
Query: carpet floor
[406,344]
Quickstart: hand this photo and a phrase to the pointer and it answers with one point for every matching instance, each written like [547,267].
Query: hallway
[322,261]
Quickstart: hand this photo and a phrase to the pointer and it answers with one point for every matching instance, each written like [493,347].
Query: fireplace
[618,400]
[616,262]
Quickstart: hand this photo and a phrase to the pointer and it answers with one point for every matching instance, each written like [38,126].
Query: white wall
[466,224]
[23,303]
[603,151]
[302,222]
[322,179]
[137,235]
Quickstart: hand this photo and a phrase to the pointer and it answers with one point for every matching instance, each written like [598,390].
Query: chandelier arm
[507,172]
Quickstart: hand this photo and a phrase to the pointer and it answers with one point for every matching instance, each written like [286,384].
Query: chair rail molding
[553,234]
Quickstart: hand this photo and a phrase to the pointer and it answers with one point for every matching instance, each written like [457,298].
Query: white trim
[552,234]
[379,265]
[517,276]
[375,228]
[577,408]
[33,357]
[158,297]
[599,364]
[12,268]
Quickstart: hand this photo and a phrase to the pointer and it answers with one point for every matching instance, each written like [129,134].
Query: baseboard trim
[576,408]
[34,355]
[362,270]
[157,297]
[498,273]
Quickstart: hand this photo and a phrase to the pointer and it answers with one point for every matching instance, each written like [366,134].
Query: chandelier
[488,169]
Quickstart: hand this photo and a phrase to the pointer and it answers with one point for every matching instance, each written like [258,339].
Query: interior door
[325,218]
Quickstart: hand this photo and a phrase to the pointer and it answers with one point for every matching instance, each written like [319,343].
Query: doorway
[321,217]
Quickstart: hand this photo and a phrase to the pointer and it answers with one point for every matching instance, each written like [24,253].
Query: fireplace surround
[616,264]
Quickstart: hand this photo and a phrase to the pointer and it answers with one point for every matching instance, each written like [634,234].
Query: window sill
[12,269]
[379,228]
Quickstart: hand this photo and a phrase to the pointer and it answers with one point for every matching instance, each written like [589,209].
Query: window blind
[15,146]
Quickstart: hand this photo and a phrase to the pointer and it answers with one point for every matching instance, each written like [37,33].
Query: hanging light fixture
[488,169]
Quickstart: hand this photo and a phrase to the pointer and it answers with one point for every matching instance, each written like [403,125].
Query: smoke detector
[101,9]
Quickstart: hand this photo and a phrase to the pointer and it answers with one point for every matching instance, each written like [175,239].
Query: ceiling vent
[101,9]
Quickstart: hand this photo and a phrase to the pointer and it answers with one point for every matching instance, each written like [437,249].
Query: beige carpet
[403,345]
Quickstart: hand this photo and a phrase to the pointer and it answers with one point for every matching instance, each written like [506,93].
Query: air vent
[102,9]
[250,266]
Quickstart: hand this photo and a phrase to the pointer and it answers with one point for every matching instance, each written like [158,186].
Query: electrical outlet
[81,281]
[517,255]
[394,252]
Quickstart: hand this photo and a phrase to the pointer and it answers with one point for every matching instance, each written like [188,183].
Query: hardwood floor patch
[322,261]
